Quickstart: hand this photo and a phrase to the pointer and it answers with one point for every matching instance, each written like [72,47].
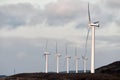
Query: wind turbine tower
[58,55]
[84,58]
[46,53]
[92,25]
[76,61]
[67,60]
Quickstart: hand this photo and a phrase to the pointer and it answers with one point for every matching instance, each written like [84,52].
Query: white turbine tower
[58,55]
[84,58]
[67,60]
[92,25]
[46,53]
[76,61]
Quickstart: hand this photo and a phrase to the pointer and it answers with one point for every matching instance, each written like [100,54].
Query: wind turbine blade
[89,14]
[83,57]
[46,45]
[86,58]
[96,22]
[75,52]
[87,41]
[66,49]
[45,57]
[56,48]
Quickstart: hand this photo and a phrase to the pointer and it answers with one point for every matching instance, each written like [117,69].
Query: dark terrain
[111,68]
[108,72]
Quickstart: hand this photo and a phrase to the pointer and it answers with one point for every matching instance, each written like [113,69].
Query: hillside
[61,76]
[108,72]
[2,76]
[113,68]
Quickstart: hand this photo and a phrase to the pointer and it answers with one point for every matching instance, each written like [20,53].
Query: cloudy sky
[25,25]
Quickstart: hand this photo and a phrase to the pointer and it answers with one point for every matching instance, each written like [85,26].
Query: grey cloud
[114,4]
[110,10]
[59,13]
[108,41]
[19,9]
[118,21]
[64,12]
[8,20]
[16,15]
[109,38]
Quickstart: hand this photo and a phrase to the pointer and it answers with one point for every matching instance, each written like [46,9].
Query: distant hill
[113,68]
[2,76]
[73,71]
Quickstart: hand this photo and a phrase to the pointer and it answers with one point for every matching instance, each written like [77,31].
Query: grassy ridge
[62,76]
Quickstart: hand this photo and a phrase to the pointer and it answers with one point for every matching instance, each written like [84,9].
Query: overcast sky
[25,25]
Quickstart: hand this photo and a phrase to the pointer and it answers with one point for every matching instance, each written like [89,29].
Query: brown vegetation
[109,72]
[61,76]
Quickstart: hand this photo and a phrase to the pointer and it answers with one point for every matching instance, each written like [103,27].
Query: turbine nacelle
[46,53]
[68,57]
[77,58]
[84,58]
[96,24]
[58,55]
[91,24]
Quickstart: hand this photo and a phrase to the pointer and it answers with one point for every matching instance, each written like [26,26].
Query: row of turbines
[67,57]
[91,26]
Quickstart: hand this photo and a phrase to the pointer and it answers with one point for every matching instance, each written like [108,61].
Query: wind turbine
[84,58]
[46,53]
[76,61]
[92,25]
[67,60]
[14,71]
[58,55]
